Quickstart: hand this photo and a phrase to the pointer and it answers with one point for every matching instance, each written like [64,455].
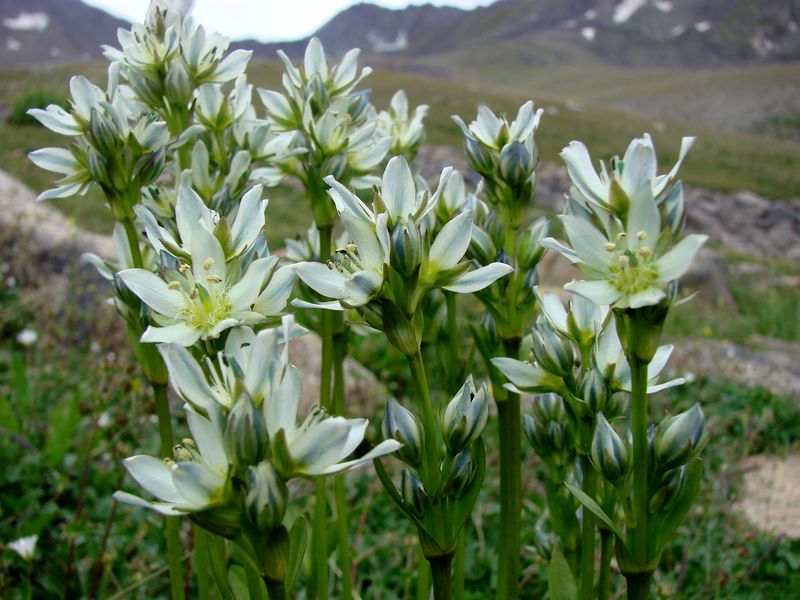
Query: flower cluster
[390,265]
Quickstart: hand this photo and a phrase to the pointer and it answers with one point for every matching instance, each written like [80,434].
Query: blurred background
[604,71]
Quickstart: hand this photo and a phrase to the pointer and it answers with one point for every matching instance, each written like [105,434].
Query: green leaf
[64,420]
[20,386]
[674,516]
[298,538]
[238,582]
[560,580]
[7,416]
[593,506]
[218,561]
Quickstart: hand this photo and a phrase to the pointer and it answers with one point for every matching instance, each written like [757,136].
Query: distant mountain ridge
[512,32]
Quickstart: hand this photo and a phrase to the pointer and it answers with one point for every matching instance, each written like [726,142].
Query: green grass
[721,160]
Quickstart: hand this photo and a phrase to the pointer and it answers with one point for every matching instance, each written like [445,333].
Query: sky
[266,20]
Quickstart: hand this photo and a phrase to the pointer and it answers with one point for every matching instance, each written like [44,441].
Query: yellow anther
[193,293]
[183,267]
[174,285]
[188,442]
[609,246]
[351,248]
[169,462]
[624,261]
[213,279]
[622,235]
[640,235]
[208,263]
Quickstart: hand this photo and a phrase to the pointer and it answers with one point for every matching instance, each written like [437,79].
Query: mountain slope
[48,31]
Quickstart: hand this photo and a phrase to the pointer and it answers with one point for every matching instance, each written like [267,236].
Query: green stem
[587,533]
[255,585]
[638,585]
[133,242]
[275,589]
[442,582]
[641,455]
[201,567]
[423,401]
[339,490]
[452,338]
[458,566]
[172,523]
[321,504]
[510,426]
[423,576]
[606,552]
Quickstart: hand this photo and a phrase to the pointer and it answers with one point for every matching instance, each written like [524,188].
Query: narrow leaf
[596,510]
[560,580]
[674,516]
[298,539]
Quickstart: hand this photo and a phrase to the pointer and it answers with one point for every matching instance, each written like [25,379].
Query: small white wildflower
[27,337]
[25,546]
[104,420]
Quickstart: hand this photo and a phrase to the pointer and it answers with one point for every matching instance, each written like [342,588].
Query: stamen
[624,261]
[183,267]
[208,263]
[645,252]
[609,246]
[174,285]
[213,279]
[640,235]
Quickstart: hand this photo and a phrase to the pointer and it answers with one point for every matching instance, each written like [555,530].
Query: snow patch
[589,33]
[590,15]
[678,30]
[664,6]
[570,24]
[28,21]
[13,45]
[381,45]
[626,9]
[702,26]
[55,51]
[792,26]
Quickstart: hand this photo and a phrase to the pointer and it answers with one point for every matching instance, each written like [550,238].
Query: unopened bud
[465,417]
[245,434]
[678,438]
[594,390]
[406,252]
[266,498]
[609,453]
[461,475]
[178,83]
[553,353]
[481,247]
[150,166]
[401,425]
[104,133]
[529,249]
[516,164]
[97,166]
[478,158]
[413,492]
[672,484]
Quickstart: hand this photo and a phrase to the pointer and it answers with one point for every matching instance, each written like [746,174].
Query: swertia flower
[635,255]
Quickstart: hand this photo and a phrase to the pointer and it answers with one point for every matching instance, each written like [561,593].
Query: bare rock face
[708,276]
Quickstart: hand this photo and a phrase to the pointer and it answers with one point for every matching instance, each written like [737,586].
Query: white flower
[188,485]
[495,132]
[25,546]
[207,291]
[28,337]
[357,275]
[637,169]
[407,132]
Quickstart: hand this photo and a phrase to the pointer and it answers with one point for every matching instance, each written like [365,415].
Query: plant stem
[255,587]
[276,590]
[641,456]
[606,552]
[442,582]
[423,401]
[586,591]
[133,242]
[452,340]
[201,566]
[458,566]
[321,506]
[510,426]
[638,585]
[172,523]
[339,490]
[423,576]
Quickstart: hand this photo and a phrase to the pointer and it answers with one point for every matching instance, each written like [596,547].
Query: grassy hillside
[721,160]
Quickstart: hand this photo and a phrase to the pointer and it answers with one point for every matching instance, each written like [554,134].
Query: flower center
[633,272]
[207,308]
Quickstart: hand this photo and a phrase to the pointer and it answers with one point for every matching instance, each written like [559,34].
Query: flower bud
[103,133]
[406,252]
[553,353]
[594,390]
[148,90]
[413,492]
[481,246]
[461,475]
[478,158]
[516,164]
[609,453]
[245,435]
[673,210]
[266,498]
[178,83]
[97,166]
[335,165]
[401,425]
[672,484]
[399,330]
[150,166]
[224,520]
[529,250]
[465,417]
[678,438]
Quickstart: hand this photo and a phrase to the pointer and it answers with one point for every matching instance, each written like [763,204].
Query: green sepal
[561,583]
[593,506]
[298,540]
[463,506]
[669,521]
[388,484]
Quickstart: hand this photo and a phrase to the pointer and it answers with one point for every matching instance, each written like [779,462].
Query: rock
[770,494]
[708,275]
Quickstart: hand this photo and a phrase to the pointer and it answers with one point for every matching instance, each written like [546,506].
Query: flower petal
[321,279]
[582,173]
[599,292]
[153,291]
[154,476]
[475,280]
[398,190]
[449,247]
[678,260]
[182,334]
[587,242]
